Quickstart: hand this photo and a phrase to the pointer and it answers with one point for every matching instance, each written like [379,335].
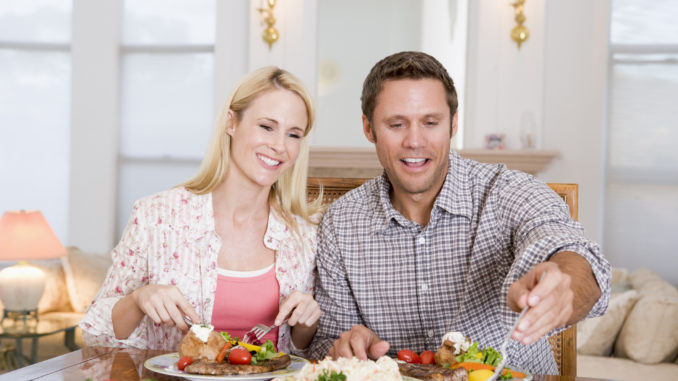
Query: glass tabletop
[46,324]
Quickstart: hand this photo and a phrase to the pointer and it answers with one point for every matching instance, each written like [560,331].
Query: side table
[47,324]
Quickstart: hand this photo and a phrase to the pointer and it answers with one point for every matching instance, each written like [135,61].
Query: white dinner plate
[167,364]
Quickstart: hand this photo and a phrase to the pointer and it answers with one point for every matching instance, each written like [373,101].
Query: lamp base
[21,286]
[23,315]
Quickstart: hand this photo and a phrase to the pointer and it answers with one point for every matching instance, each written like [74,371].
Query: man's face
[412,135]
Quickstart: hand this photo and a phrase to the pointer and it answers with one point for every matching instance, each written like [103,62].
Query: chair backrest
[563,344]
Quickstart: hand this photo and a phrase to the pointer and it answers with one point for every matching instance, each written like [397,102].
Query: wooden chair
[563,344]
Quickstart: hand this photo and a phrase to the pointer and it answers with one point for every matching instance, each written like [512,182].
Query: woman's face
[266,141]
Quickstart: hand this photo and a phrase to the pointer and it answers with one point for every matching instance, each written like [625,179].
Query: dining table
[104,363]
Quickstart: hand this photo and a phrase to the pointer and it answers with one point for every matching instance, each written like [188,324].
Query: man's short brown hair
[405,65]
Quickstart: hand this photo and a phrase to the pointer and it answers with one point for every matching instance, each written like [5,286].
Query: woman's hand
[165,304]
[302,313]
[299,309]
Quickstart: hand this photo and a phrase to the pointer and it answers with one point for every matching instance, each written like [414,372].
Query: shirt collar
[276,231]
[454,197]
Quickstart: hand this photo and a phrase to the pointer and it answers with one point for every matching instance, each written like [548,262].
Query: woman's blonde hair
[288,193]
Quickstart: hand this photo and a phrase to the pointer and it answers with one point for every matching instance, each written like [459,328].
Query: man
[439,243]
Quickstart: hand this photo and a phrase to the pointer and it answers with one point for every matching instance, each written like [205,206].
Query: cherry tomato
[408,356]
[184,361]
[239,356]
[427,357]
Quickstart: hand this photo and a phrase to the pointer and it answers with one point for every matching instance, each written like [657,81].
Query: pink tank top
[244,299]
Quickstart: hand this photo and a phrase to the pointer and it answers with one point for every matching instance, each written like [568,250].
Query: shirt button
[430,333]
[421,240]
[424,287]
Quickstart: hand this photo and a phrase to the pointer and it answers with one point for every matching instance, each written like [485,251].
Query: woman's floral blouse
[170,239]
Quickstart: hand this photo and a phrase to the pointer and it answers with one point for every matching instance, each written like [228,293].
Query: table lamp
[24,235]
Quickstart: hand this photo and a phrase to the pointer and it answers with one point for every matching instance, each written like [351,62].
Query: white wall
[575,80]
[558,76]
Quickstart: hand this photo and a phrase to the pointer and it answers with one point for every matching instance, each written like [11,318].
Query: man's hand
[550,301]
[165,304]
[360,342]
[564,296]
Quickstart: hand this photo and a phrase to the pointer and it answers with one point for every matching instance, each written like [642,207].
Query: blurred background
[103,102]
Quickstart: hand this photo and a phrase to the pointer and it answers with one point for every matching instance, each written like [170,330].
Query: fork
[502,349]
[257,332]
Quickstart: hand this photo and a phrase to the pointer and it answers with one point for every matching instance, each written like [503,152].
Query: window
[167,95]
[641,208]
[35,73]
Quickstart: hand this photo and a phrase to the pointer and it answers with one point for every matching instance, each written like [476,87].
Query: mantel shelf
[339,160]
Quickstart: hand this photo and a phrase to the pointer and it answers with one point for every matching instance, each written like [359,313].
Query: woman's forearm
[126,316]
[302,336]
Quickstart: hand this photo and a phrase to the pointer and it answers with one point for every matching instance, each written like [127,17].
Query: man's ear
[367,130]
[454,124]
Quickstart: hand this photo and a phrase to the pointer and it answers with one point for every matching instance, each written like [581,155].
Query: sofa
[637,338]
[70,286]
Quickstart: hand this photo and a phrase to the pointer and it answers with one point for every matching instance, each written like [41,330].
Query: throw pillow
[596,336]
[649,282]
[650,332]
[620,280]
[55,297]
[84,275]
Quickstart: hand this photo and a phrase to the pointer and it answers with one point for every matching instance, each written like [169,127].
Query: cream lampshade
[24,235]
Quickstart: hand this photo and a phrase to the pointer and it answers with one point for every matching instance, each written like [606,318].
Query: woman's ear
[230,122]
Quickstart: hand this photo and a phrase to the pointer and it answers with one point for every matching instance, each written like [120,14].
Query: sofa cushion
[650,332]
[596,336]
[84,275]
[613,368]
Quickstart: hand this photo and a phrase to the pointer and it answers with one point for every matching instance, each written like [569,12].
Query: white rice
[385,368]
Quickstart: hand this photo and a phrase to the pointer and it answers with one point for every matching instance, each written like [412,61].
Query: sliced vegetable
[223,352]
[249,347]
[427,357]
[470,354]
[266,352]
[409,356]
[326,375]
[239,356]
[491,356]
[471,366]
[184,362]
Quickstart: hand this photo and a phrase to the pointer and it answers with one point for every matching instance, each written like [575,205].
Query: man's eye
[431,123]
[396,125]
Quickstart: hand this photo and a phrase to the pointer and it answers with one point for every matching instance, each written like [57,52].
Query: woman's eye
[265,127]
[294,135]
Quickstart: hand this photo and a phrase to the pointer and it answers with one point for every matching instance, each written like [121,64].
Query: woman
[235,245]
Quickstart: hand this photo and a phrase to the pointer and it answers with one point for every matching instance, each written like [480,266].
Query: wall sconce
[520,33]
[270,34]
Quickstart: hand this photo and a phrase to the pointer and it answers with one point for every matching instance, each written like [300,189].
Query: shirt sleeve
[128,272]
[539,224]
[332,291]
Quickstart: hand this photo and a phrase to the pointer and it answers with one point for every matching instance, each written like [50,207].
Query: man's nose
[414,137]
